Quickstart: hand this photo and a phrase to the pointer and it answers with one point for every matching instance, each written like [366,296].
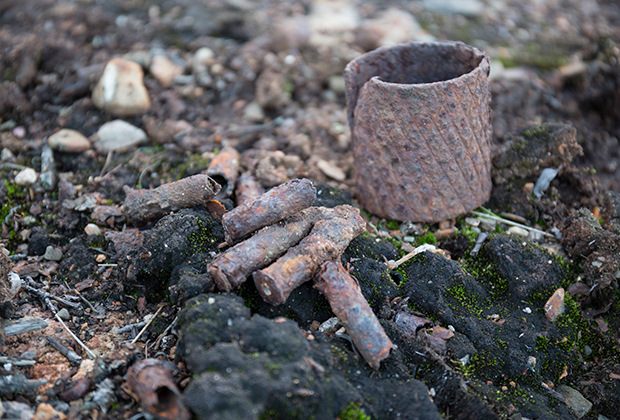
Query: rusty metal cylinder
[350,306]
[421,130]
[224,169]
[271,207]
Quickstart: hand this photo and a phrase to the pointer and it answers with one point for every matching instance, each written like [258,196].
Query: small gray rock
[575,400]
[52,254]
[64,314]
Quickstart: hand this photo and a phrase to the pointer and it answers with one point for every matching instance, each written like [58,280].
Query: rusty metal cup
[421,126]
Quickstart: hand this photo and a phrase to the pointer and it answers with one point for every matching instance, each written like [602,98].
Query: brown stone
[555,305]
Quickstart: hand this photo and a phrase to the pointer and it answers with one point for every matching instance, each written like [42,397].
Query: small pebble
[472,221]
[52,254]
[587,350]
[527,310]
[121,90]
[515,230]
[203,58]
[329,325]
[64,314]
[336,83]
[19,132]
[119,135]
[92,229]
[407,247]
[164,70]
[68,141]
[331,170]
[555,305]
[7,156]
[254,112]
[26,177]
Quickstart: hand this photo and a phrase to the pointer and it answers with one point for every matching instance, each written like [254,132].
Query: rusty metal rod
[326,242]
[350,306]
[271,207]
[144,206]
[248,189]
[224,169]
[231,268]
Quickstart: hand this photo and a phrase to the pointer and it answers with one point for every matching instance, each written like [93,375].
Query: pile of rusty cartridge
[282,241]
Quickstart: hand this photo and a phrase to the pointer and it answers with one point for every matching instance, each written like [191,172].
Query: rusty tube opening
[422,64]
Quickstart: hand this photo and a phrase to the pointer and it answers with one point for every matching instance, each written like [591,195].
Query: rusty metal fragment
[271,207]
[150,381]
[350,306]
[231,268]
[248,189]
[224,169]
[144,206]
[421,130]
[326,242]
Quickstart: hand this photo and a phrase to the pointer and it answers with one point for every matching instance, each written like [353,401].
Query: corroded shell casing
[421,126]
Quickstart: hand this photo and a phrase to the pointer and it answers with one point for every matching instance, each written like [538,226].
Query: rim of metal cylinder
[423,138]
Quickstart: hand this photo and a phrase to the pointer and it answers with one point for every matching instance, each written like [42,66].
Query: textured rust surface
[421,126]
[326,242]
[248,189]
[144,206]
[224,169]
[150,380]
[271,207]
[231,268]
[350,306]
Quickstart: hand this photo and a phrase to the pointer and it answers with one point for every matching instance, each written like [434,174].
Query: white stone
[119,135]
[26,177]
[92,229]
[164,70]
[515,230]
[336,83]
[203,58]
[121,90]
[254,112]
[68,141]
[331,170]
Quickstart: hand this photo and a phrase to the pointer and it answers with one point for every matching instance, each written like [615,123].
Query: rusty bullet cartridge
[144,206]
[232,267]
[224,169]
[421,130]
[327,241]
[347,302]
[271,207]
[248,189]
[150,380]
